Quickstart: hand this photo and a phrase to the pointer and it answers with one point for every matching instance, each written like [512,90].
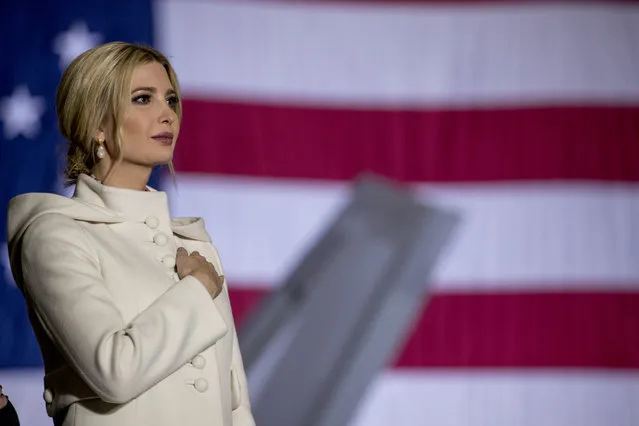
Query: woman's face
[150,123]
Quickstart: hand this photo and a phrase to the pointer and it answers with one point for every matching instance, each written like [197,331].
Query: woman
[130,307]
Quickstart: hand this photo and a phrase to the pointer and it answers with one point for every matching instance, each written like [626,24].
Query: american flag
[523,116]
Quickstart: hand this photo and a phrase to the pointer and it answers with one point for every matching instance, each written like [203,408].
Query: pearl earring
[100,151]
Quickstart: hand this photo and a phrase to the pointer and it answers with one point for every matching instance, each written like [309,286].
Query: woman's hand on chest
[196,265]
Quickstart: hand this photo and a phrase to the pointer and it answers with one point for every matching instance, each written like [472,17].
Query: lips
[165,138]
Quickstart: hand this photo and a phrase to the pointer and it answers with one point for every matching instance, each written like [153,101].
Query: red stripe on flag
[452,145]
[514,330]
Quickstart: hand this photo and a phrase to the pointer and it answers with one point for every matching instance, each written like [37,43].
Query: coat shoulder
[50,226]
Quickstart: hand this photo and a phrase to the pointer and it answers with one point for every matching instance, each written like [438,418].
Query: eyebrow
[152,90]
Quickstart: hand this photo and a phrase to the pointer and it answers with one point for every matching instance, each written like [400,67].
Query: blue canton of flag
[39,40]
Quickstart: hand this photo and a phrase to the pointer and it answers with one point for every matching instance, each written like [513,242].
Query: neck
[126,176]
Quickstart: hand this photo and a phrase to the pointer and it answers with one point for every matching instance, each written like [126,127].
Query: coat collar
[127,205]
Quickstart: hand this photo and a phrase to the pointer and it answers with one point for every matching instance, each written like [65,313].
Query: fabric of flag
[522,116]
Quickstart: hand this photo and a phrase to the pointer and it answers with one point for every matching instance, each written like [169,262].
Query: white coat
[124,340]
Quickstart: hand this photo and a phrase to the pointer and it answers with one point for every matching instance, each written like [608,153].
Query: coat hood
[93,202]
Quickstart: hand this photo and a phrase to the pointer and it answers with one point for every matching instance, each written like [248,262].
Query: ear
[100,136]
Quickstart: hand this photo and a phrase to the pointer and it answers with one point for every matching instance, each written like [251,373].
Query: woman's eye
[173,101]
[142,99]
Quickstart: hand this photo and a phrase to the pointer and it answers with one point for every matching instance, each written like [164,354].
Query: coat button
[201,385]
[48,396]
[160,239]
[168,261]
[152,222]
[198,362]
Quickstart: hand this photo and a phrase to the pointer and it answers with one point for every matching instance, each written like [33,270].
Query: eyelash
[173,101]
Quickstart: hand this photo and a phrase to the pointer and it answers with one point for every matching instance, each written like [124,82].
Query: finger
[212,269]
[179,258]
[212,272]
[182,263]
[197,255]
[221,279]
[185,272]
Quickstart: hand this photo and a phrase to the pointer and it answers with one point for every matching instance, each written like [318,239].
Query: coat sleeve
[116,359]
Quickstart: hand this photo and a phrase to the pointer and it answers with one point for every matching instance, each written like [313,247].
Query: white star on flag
[77,39]
[21,113]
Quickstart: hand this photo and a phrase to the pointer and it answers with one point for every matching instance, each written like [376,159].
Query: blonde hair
[92,96]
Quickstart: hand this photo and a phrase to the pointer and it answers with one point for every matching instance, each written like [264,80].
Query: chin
[161,157]
[162,162]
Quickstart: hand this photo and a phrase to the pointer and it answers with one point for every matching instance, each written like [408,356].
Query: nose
[167,114]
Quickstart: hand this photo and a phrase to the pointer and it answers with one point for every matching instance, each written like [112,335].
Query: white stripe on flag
[517,236]
[389,54]
[497,398]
